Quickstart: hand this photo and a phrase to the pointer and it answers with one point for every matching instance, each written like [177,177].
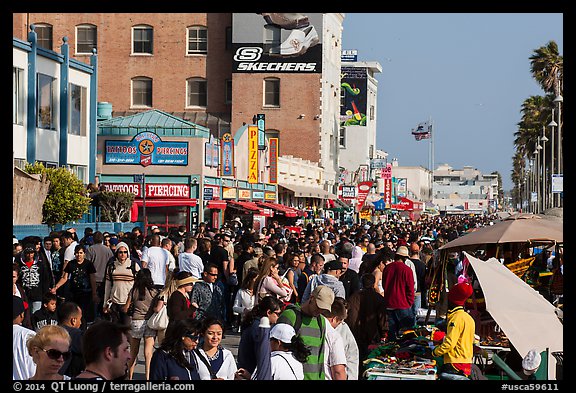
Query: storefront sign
[208,193]
[243,194]
[252,154]
[270,196]
[167,191]
[228,193]
[348,192]
[260,121]
[152,190]
[257,194]
[365,215]
[401,187]
[146,148]
[363,190]
[273,144]
[227,155]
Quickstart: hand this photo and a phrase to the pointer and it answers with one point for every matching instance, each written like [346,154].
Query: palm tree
[547,67]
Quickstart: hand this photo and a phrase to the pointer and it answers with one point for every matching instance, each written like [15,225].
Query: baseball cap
[333,265]
[282,332]
[531,362]
[324,297]
[153,227]
[258,251]
[18,306]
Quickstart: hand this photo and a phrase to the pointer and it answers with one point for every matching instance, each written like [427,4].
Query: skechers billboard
[277,42]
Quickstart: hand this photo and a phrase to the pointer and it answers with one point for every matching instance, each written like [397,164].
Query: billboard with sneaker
[277,42]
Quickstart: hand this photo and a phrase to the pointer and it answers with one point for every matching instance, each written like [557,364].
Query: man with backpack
[314,328]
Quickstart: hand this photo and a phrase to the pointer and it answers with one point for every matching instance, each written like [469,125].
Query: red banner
[363,191]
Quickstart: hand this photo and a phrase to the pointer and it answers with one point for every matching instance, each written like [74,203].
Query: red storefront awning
[159,203]
[166,202]
[249,207]
[219,205]
[278,207]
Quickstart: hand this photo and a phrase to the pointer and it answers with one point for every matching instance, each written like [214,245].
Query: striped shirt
[313,335]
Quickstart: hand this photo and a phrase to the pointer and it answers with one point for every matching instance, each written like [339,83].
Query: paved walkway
[230,341]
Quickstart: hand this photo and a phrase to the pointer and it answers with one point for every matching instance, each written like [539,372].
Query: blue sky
[469,73]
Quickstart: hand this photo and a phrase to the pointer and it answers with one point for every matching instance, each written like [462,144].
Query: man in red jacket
[398,284]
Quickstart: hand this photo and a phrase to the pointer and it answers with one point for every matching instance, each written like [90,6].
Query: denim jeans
[417,304]
[397,320]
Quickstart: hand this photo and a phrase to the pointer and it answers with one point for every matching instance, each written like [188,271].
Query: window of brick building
[197,40]
[86,39]
[272,92]
[142,92]
[142,39]
[196,89]
[44,36]
[228,91]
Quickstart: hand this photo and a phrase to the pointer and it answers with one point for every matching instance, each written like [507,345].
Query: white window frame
[18,104]
[87,26]
[79,127]
[52,102]
[267,93]
[143,27]
[188,93]
[80,172]
[141,79]
[197,41]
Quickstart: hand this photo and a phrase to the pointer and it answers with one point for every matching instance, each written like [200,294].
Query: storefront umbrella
[526,317]
[518,228]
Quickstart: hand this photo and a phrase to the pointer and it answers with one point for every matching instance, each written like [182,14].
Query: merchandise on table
[406,359]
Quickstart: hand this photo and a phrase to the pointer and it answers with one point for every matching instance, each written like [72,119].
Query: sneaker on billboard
[287,21]
[297,43]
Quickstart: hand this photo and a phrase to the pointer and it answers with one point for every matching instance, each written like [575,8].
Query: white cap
[153,227]
[531,362]
[14,240]
[282,332]
[366,226]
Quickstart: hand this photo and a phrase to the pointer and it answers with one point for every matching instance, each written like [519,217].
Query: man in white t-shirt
[334,355]
[23,367]
[188,261]
[157,260]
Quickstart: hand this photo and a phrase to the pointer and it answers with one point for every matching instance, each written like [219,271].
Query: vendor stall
[407,359]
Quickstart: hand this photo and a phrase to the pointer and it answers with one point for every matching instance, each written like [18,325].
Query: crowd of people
[327,292]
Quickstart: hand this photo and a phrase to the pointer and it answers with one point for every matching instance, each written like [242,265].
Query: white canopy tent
[526,317]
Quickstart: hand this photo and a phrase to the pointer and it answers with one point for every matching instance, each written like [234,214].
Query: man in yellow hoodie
[457,347]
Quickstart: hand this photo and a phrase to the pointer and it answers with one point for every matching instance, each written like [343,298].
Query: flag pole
[432,158]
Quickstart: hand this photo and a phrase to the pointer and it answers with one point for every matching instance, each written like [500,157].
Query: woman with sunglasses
[175,358]
[119,280]
[49,348]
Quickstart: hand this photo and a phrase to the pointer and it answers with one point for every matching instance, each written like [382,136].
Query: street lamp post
[552,124]
[532,182]
[538,174]
[559,99]
[544,172]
